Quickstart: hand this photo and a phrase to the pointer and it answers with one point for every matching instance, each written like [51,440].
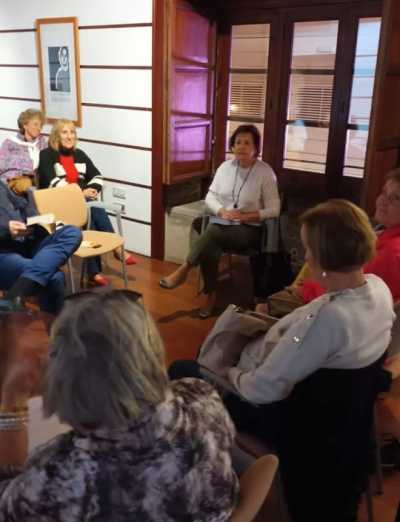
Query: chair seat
[108,241]
[251,444]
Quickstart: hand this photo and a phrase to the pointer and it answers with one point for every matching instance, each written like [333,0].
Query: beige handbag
[231,333]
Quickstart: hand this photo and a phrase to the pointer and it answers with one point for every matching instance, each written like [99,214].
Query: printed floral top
[172,465]
[20,157]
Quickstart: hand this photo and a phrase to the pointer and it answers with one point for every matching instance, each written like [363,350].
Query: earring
[324,274]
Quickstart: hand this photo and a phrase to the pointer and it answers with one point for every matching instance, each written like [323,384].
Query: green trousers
[206,251]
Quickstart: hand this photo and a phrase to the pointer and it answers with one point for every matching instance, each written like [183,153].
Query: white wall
[124,126]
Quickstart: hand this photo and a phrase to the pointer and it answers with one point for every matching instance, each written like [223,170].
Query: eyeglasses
[131,295]
[393,198]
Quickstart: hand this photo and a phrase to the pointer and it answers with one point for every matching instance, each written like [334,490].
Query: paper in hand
[42,219]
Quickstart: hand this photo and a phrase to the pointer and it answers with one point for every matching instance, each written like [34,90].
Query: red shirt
[69,166]
[385,264]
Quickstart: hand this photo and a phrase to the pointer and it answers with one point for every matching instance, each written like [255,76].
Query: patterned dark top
[173,464]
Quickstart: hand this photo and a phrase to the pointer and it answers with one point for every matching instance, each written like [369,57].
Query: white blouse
[250,189]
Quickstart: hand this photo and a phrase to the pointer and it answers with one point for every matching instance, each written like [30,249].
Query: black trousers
[317,486]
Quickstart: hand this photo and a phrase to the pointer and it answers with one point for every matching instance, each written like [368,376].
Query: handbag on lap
[234,329]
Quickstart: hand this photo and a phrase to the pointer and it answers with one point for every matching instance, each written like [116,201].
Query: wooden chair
[255,484]
[69,206]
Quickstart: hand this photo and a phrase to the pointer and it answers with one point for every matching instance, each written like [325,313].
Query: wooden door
[384,138]
[191,67]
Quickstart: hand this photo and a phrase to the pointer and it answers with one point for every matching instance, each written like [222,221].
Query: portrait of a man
[59,67]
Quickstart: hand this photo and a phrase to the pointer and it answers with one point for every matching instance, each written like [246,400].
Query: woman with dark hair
[243,194]
[140,447]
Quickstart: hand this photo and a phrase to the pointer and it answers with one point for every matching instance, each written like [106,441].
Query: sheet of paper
[221,221]
[42,219]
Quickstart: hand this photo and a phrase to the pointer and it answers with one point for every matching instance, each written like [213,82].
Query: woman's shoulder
[227,165]
[10,144]
[265,169]
[42,142]
[193,391]
[48,152]
[378,286]
[80,154]
[197,401]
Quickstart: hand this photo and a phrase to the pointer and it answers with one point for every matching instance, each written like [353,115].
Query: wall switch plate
[118,193]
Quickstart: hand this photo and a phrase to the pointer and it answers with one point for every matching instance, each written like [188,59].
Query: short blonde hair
[54,138]
[339,235]
[28,115]
[106,363]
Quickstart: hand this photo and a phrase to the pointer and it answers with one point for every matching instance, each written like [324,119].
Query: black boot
[11,305]
[24,287]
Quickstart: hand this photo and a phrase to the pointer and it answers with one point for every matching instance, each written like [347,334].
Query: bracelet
[16,413]
[13,421]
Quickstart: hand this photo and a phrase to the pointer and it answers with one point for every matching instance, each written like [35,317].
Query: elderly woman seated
[140,448]
[19,155]
[30,257]
[308,385]
[385,263]
[243,193]
[62,163]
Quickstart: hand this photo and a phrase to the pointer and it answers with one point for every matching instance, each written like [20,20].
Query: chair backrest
[332,410]
[255,484]
[67,203]
[394,346]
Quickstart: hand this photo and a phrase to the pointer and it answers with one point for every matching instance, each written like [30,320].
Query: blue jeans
[99,221]
[40,259]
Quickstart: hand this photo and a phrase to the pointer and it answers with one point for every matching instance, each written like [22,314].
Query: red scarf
[72,174]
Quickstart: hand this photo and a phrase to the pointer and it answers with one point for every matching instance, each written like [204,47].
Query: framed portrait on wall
[58,57]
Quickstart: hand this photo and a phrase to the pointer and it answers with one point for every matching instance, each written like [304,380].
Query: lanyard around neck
[236,199]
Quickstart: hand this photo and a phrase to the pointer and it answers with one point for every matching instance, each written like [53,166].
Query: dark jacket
[52,174]
[12,208]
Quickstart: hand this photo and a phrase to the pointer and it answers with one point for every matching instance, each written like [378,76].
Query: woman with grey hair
[140,448]
[19,154]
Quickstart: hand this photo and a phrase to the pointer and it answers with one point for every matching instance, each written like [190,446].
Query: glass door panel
[310,95]
[248,76]
[361,96]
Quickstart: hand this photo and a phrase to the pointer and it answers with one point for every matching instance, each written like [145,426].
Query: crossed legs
[35,269]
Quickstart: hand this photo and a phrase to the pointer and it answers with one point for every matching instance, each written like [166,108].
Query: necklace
[236,199]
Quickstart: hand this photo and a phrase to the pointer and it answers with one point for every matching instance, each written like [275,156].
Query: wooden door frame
[159,120]
[281,21]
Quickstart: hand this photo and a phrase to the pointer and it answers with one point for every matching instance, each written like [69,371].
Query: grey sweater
[340,330]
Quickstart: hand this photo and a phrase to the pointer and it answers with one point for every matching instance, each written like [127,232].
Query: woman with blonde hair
[309,384]
[19,155]
[62,163]
[140,448]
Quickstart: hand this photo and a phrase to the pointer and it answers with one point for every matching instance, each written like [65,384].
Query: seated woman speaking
[63,163]
[140,448]
[314,374]
[243,193]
